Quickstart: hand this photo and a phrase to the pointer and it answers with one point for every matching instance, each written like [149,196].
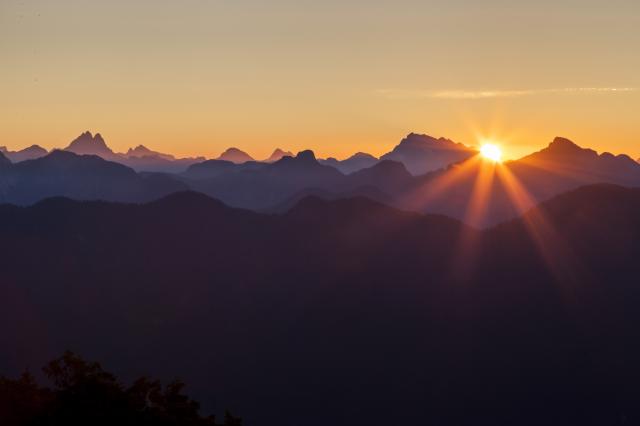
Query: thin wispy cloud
[484,94]
[490,94]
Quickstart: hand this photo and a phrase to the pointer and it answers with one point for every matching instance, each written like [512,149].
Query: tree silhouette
[84,393]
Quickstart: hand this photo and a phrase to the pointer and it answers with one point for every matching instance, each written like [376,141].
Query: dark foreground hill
[339,312]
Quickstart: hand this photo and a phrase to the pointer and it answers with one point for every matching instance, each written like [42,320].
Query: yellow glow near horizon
[491,152]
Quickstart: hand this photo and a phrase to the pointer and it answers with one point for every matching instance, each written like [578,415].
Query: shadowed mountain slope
[357,161]
[142,158]
[379,182]
[159,164]
[143,151]
[213,168]
[4,161]
[328,312]
[85,177]
[29,153]
[262,186]
[265,186]
[388,176]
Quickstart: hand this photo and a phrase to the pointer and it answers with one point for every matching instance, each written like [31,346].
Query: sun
[491,152]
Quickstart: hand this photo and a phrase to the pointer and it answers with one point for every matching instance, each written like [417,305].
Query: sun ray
[562,169]
[436,186]
[481,193]
[479,202]
[555,253]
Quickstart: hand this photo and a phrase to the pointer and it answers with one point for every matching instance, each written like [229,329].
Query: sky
[193,77]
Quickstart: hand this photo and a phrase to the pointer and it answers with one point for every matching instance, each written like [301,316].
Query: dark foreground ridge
[339,312]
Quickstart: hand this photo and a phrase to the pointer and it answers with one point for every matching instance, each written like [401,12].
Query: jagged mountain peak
[422,153]
[88,144]
[428,141]
[564,146]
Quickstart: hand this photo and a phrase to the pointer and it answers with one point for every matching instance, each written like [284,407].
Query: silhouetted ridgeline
[483,194]
[83,177]
[423,153]
[339,312]
[459,184]
[28,153]
[357,161]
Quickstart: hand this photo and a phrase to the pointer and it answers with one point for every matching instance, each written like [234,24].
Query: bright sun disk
[491,152]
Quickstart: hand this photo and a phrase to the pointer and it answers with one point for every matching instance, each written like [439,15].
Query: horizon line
[475,146]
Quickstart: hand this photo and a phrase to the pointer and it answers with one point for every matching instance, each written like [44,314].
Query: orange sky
[197,76]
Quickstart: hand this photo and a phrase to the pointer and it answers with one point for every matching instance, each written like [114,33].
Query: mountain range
[338,312]
[420,153]
[473,190]
[484,193]
[299,285]
[357,161]
[29,153]
[82,177]
[139,158]
[463,186]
